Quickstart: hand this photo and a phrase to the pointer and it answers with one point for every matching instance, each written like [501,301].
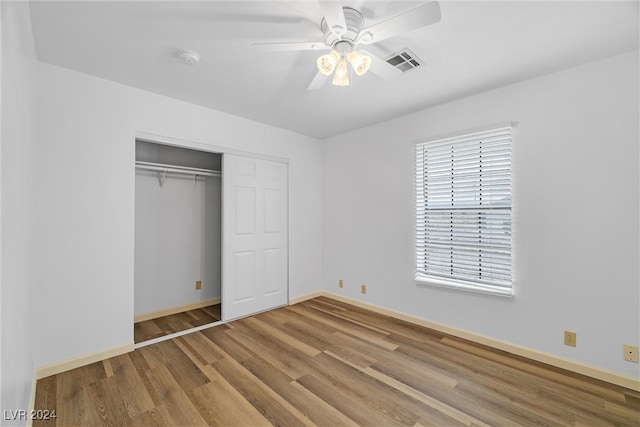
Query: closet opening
[178,240]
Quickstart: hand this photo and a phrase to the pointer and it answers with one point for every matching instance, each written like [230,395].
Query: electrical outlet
[570,338]
[340,283]
[630,353]
[198,284]
[363,289]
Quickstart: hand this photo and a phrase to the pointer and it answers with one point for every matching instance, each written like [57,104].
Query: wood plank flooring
[325,363]
[166,325]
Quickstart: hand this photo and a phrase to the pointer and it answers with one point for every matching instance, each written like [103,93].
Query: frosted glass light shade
[360,62]
[342,74]
[327,63]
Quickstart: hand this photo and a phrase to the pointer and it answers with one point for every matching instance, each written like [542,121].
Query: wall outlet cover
[570,338]
[630,353]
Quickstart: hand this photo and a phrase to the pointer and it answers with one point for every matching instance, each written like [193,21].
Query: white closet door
[255,242]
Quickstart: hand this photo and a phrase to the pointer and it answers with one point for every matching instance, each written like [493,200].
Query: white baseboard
[177,309]
[76,362]
[549,359]
[305,297]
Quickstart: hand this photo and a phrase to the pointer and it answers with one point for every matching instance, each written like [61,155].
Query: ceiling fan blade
[318,81]
[382,68]
[334,15]
[419,17]
[286,46]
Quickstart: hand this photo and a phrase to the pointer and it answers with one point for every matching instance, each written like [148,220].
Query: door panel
[245,269]
[255,236]
[245,210]
[272,201]
[272,272]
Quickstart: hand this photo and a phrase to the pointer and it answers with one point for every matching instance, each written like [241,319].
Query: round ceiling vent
[189,56]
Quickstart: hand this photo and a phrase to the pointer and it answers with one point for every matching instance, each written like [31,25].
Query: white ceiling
[475,47]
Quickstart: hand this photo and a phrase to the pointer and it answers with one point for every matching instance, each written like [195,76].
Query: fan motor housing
[354,21]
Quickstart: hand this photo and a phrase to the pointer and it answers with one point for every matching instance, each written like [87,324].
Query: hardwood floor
[322,362]
[161,326]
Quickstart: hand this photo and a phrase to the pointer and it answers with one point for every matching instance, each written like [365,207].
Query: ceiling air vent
[405,60]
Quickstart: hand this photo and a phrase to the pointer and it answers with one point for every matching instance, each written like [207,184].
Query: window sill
[465,286]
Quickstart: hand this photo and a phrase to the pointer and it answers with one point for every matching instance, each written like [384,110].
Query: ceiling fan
[343,29]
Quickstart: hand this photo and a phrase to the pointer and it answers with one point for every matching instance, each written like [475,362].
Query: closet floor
[154,328]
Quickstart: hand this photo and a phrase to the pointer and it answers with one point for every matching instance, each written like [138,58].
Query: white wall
[177,240]
[17,199]
[576,209]
[86,186]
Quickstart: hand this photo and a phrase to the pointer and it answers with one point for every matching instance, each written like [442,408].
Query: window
[463,211]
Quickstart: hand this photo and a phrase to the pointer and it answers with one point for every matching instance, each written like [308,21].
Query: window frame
[422,276]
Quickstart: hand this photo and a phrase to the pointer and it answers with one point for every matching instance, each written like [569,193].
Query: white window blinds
[463,211]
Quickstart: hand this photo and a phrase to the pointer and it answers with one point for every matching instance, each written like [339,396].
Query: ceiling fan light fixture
[360,62]
[327,63]
[341,77]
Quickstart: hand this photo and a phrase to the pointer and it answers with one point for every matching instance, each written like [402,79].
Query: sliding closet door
[255,250]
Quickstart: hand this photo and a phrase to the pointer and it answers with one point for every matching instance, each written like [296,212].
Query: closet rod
[176,169]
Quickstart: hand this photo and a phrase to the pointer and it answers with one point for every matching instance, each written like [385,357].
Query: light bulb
[360,62]
[327,63]
[342,74]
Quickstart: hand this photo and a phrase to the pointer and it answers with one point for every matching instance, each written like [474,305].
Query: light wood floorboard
[322,362]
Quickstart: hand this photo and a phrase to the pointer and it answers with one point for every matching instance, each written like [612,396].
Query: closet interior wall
[177,229]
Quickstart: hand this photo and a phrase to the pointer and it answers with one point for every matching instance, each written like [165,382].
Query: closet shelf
[164,169]
[176,169]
